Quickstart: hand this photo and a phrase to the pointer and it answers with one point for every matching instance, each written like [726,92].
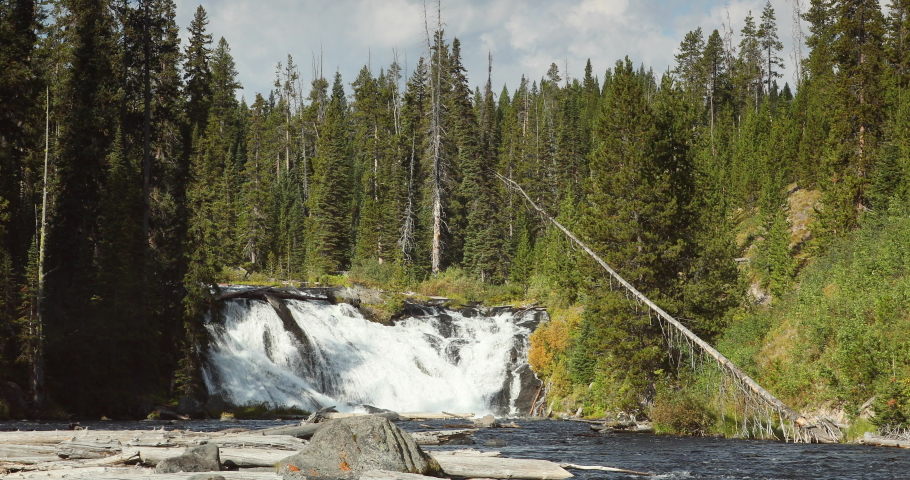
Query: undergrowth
[842,335]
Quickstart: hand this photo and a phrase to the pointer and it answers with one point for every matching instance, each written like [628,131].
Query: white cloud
[525,37]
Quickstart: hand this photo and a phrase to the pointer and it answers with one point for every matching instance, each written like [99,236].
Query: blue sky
[524,37]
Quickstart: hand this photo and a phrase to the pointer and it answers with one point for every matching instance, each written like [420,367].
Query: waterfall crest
[441,360]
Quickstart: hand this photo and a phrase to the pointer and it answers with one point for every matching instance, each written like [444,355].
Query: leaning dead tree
[795,426]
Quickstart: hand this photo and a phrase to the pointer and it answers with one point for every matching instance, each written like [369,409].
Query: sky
[524,37]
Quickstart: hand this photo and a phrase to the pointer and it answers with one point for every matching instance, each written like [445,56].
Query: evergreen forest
[770,218]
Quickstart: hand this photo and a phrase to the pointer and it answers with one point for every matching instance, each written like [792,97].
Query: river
[668,457]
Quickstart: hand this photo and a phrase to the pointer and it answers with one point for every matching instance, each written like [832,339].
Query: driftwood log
[279,292]
[182,438]
[387,475]
[88,448]
[469,452]
[27,454]
[297,431]
[871,439]
[470,466]
[131,473]
[572,466]
[251,440]
[459,415]
[441,437]
[406,416]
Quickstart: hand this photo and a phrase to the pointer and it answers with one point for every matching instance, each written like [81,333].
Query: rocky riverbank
[349,447]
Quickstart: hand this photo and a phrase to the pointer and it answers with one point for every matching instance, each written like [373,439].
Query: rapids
[331,355]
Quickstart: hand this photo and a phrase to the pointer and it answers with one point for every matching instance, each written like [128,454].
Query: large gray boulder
[195,459]
[348,447]
[15,400]
[190,407]
[488,421]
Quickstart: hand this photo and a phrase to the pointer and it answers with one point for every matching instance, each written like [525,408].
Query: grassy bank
[840,338]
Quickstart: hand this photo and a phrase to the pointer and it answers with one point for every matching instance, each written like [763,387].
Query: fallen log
[572,466]
[275,442]
[468,452]
[470,466]
[249,293]
[433,416]
[405,416]
[871,439]
[822,430]
[461,416]
[131,458]
[260,294]
[85,448]
[441,437]
[392,416]
[240,457]
[27,454]
[319,415]
[132,473]
[252,457]
[54,437]
[154,440]
[297,431]
[388,475]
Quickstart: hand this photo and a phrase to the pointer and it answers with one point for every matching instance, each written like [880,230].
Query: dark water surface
[667,457]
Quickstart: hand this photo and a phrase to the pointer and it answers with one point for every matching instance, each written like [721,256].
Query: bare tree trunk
[38,347]
[436,253]
[146,160]
[436,136]
[306,180]
[406,239]
[287,115]
[797,53]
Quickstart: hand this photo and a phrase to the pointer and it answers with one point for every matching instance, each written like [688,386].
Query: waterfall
[327,354]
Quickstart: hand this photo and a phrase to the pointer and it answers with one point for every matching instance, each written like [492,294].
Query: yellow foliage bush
[553,338]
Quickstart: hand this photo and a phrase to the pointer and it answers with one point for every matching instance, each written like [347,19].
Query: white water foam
[429,363]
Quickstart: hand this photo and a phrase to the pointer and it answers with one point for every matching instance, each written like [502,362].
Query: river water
[697,458]
[667,457]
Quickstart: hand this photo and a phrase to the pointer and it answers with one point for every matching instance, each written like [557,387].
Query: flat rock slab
[470,466]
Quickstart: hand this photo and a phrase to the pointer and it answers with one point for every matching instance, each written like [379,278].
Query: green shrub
[453,283]
[252,411]
[264,410]
[682,411]
[843,331]
[371,273]
[892,405]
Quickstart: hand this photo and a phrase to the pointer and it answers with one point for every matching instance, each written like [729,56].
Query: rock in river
[347,447]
